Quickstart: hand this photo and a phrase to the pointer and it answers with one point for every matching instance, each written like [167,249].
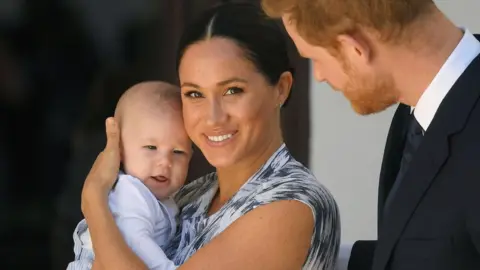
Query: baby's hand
[104,171]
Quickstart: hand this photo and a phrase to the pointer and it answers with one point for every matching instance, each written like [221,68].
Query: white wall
[346,149]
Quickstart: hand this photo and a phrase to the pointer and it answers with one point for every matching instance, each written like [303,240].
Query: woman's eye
[150,147]
[233,90]
[193,94]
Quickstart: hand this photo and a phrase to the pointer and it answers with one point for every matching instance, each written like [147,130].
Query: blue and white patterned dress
[280,178]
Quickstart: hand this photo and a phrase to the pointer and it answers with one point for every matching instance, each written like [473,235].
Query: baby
[155,154]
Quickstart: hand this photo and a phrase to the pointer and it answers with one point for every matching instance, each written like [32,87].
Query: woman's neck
[231,179]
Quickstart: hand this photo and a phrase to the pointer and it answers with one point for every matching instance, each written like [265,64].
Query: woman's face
[230,110]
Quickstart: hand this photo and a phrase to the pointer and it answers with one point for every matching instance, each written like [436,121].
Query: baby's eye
[179,152]
[150,147]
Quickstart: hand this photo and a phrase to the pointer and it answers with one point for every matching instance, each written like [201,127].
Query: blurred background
[63,66]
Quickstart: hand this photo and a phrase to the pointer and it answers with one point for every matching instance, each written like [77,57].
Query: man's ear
[356,48]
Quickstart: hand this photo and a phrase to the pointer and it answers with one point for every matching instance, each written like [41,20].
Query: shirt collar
[452,69]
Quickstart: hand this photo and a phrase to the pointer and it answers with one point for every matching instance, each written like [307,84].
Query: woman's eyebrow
[222,83]
[234,79]
[190,84]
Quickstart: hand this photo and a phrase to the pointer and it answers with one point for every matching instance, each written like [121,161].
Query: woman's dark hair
[247,25]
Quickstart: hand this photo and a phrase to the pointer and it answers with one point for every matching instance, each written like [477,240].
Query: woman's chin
[220,162]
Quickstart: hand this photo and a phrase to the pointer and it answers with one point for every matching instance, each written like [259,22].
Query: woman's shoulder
[294,181]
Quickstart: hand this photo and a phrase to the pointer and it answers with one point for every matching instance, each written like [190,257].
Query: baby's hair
[154,94]
[164,92]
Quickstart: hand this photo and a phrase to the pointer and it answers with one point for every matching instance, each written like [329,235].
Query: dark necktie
[412,141]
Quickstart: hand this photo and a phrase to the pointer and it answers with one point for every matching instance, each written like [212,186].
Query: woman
[261,209]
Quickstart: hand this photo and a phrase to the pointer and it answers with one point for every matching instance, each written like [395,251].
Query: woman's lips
[220,139]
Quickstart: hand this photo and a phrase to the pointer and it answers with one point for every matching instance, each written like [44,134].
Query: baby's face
[156,149]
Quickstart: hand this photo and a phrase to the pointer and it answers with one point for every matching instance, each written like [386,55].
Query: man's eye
[233,90]
[150,147]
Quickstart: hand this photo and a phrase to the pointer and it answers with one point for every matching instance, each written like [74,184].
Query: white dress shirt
[452,69]
[466,51]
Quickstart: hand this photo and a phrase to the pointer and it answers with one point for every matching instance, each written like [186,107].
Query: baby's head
[154,145]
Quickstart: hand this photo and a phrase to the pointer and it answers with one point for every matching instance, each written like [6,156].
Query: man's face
[368,89]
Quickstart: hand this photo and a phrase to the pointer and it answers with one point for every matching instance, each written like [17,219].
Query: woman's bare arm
[96,266]
[274,236]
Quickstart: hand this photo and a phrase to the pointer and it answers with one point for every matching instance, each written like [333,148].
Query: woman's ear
[284,86]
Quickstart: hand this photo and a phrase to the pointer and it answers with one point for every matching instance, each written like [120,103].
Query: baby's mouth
[160,178]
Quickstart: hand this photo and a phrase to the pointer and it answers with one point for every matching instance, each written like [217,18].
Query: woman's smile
[221,139]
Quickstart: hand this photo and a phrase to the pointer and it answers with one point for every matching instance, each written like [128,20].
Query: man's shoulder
[470,133]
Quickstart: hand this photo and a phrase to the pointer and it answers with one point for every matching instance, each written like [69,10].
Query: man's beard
[371,93]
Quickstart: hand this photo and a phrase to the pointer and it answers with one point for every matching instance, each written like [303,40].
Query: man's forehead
[300,43]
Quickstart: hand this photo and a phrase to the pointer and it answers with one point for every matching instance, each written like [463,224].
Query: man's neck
[415,66]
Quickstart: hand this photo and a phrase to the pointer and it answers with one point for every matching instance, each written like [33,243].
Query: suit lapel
[392,155]
[428,160]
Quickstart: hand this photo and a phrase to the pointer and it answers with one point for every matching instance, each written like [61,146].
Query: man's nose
[318,74]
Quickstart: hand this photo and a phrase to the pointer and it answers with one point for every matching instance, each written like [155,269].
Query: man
[382,52]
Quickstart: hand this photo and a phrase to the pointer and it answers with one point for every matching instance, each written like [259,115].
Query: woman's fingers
[108,163]
[113,135]
[104,171]
[111,153]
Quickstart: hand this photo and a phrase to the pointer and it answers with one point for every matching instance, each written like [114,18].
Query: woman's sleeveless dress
[280,178]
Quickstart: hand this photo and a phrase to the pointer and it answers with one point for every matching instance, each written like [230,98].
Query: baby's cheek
[135,164]
[179,181]
[136,169]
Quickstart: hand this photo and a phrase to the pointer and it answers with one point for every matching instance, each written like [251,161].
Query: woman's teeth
[220,138]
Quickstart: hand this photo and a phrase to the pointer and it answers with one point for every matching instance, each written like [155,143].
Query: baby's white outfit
[146,224]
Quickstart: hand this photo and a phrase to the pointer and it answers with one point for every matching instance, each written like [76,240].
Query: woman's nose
[216,113]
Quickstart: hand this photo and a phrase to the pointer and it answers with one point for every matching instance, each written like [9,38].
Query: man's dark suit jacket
[434,219]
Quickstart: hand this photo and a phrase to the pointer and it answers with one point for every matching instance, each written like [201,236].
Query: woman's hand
[104,171]
[111,251]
